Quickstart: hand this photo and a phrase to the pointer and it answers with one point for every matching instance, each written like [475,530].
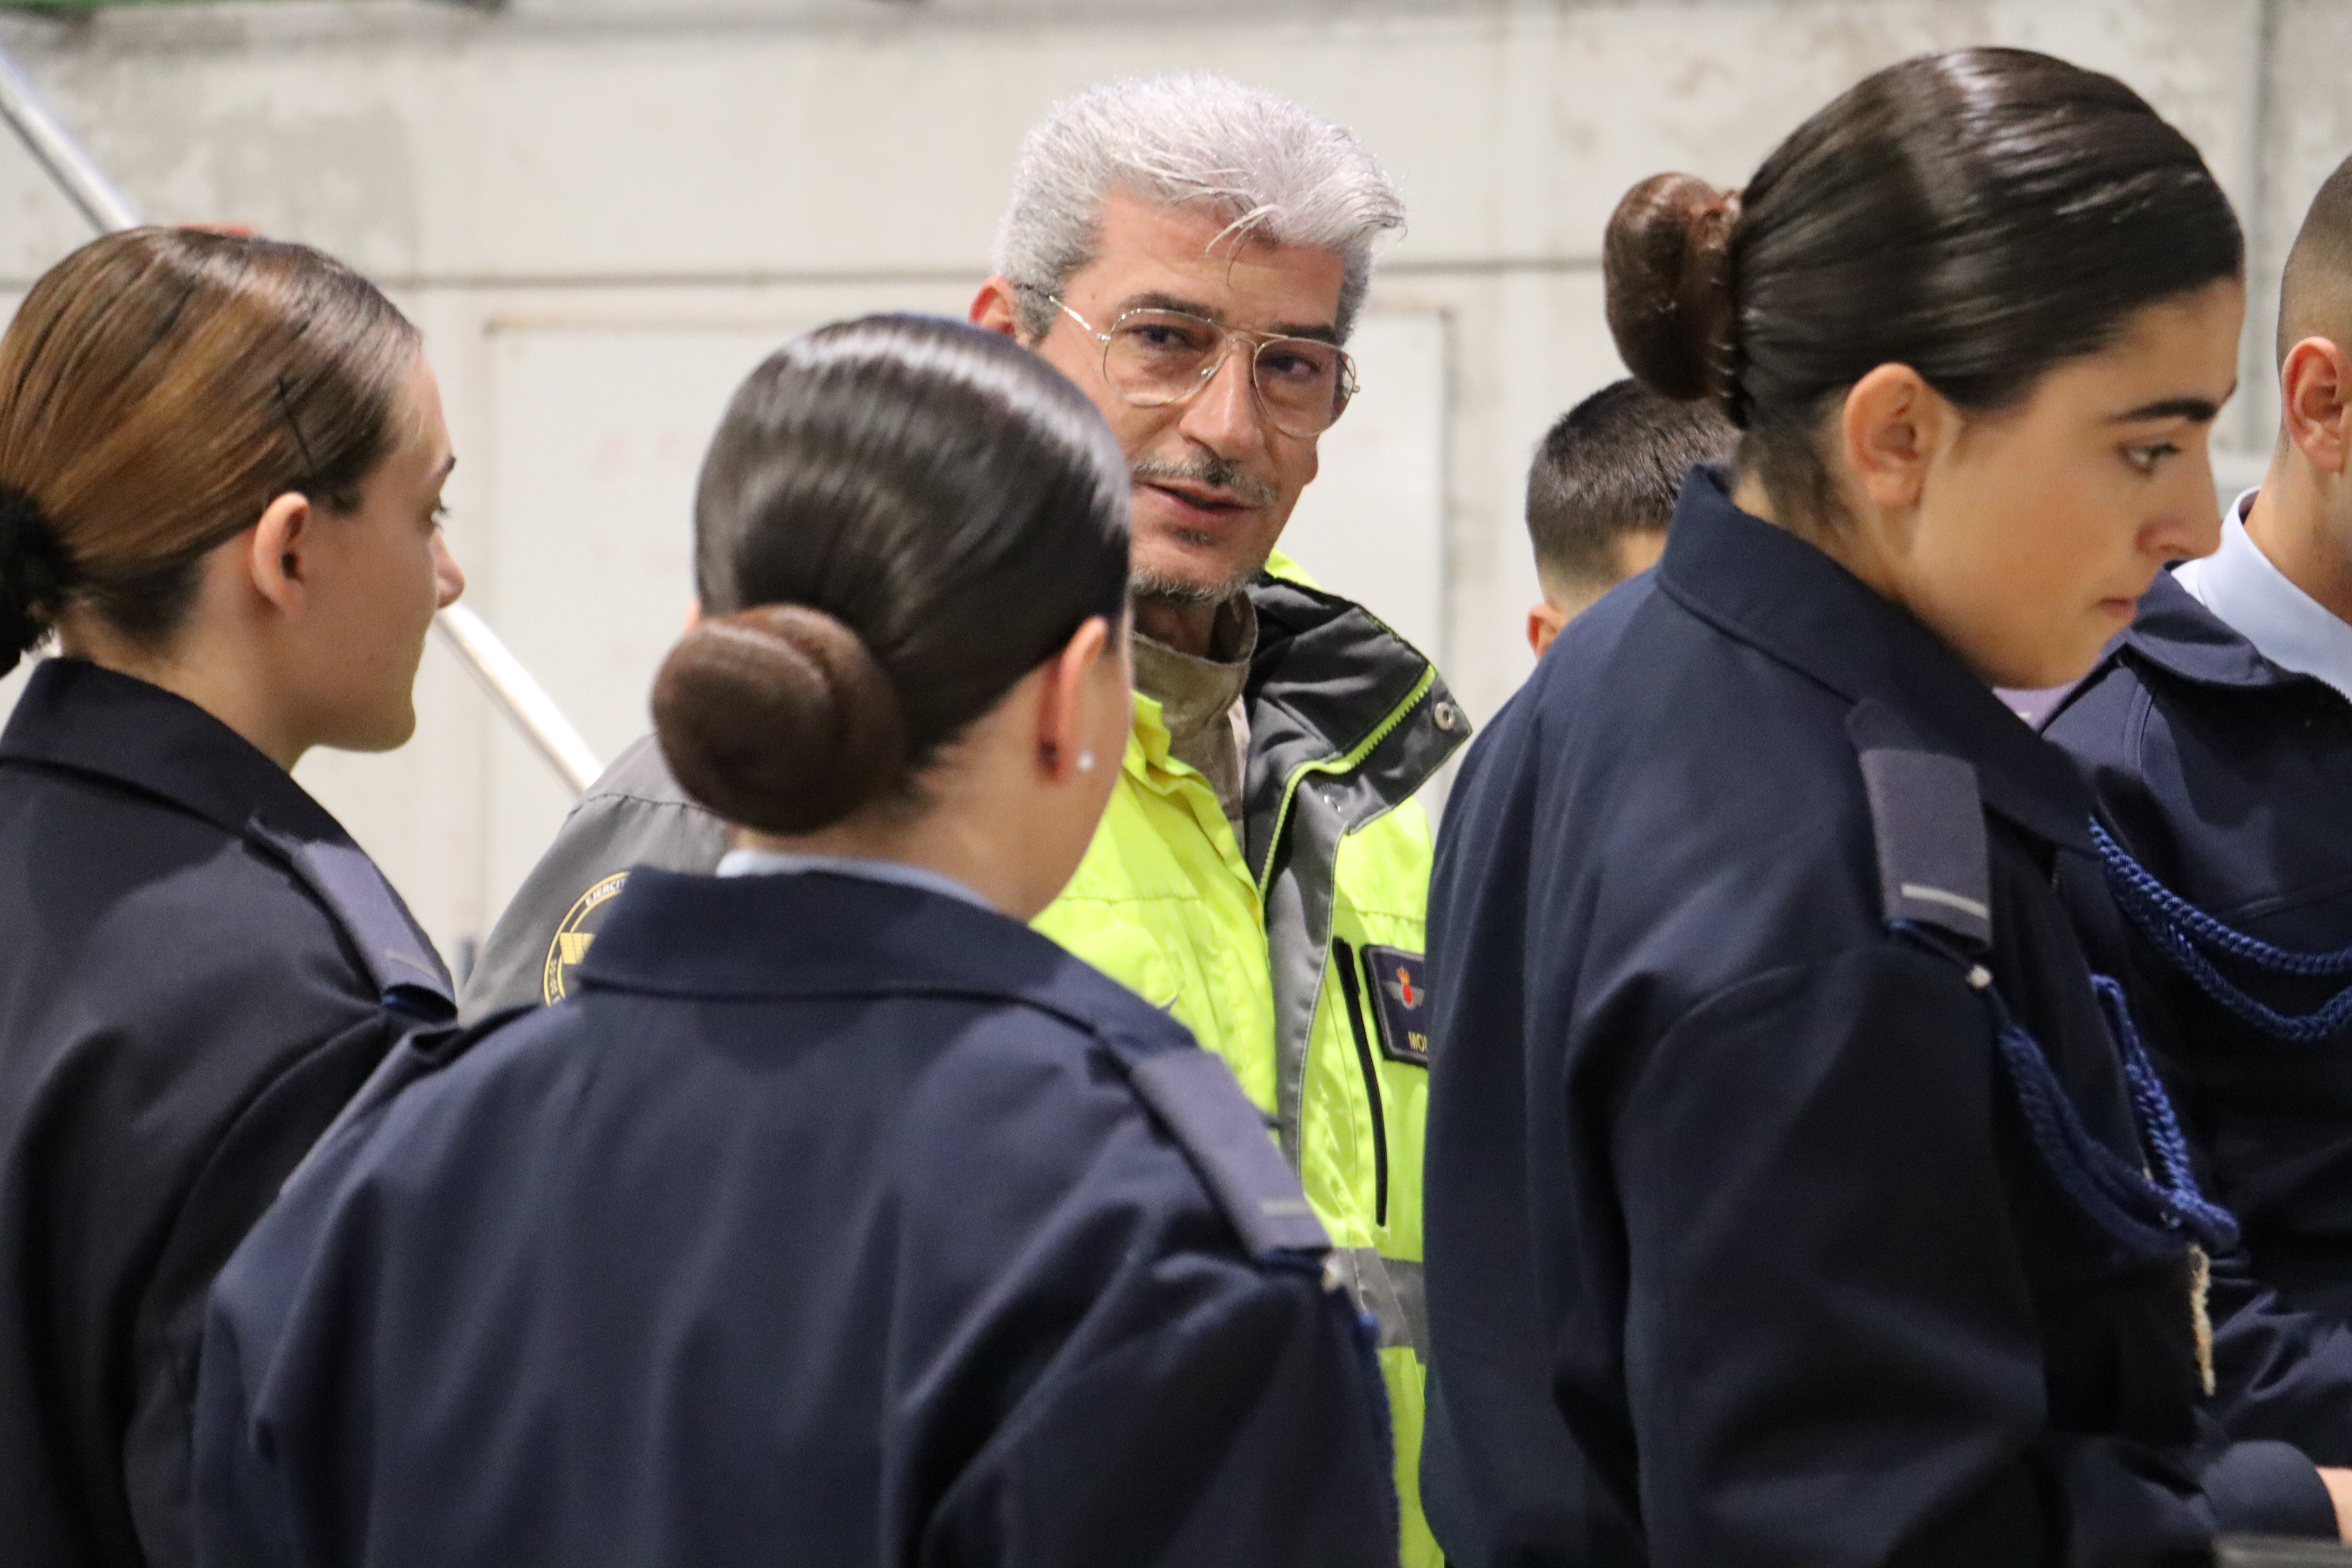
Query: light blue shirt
[780,863]
[2254,599]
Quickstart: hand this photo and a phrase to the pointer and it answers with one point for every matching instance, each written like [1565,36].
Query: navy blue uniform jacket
[193,958]
[2229,781]
[1739,1251]
[836,1223]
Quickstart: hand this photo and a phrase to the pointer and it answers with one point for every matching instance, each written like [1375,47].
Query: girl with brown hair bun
[220,470]
[1796,1195]
[836,1216]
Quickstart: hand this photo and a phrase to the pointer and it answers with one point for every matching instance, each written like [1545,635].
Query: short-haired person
[2218,737]
[221,462]
[1601,491]
[1194,254]
[841,1218]
[1795,1195]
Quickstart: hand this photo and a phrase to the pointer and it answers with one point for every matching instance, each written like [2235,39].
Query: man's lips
[1198,501]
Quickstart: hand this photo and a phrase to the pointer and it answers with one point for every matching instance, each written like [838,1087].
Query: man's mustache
[1208,473]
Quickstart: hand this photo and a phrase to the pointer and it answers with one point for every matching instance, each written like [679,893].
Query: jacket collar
[1764,587]
[78,717]
[671,934]
[2175,633]
[1330,685]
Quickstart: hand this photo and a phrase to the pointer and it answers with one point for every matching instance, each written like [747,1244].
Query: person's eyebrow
[1320,331]
[1154,299]
[2196,410]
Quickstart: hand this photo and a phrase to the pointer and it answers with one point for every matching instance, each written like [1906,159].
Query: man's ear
[275,551]
[2314,398]
[1061,705]
[997,309]
[1544,622]
[1890,428]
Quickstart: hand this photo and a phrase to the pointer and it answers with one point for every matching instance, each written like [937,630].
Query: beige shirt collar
[1201,699]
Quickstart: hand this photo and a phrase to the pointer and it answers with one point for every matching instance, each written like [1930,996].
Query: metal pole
[525,702]
[53,146]
[522,699]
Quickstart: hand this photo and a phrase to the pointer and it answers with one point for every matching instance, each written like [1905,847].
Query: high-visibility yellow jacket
[1294,954]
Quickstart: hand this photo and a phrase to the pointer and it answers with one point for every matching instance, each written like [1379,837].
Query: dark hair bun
[778,718]
[1667,266]
[34,575]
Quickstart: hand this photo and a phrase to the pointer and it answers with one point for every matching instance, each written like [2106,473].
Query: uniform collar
[76,716]
[2235,620]
[750,862]
[1764,587]
[2181,637]
[676,935]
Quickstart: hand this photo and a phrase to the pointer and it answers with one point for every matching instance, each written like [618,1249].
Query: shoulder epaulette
[1934,874]
[1194,1095]
[407,974]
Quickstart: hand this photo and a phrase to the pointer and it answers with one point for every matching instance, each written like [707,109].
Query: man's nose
[1223,414]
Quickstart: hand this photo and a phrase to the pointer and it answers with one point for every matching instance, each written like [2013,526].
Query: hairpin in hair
[294,427]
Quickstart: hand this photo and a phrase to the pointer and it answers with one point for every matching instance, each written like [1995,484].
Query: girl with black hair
[838,1218]
[1798,1196]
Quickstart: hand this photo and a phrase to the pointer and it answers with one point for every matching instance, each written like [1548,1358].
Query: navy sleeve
[236,1168]
[240,1503]
[1832,1349]
[1223,1416]
[2267,1489]
[2281,1373]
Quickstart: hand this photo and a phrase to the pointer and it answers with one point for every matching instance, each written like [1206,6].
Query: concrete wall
[618,166]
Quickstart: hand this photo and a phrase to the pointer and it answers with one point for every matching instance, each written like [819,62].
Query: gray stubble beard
[1146,586]
[1149,587]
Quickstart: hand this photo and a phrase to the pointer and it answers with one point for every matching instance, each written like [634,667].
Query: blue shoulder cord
[2176,928]
[2153,1217]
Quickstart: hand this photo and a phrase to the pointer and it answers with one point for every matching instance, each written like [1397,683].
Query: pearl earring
[1086,762]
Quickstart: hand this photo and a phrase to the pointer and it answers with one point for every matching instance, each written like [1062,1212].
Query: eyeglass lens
[1156,357]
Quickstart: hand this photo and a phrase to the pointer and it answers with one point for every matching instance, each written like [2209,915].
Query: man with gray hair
[1194,254]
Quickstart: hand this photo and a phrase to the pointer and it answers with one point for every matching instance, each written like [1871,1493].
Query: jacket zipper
[1339,764]
[1348,984]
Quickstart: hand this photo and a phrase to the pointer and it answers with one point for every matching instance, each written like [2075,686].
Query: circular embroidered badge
[575,935]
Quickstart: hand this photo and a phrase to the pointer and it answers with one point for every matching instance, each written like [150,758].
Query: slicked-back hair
[158,388]
[1275,171]
[1611,467]
[941,505]
[2315,294]
[1979,215]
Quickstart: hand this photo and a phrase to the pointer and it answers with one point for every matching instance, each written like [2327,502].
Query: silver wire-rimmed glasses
[1153,357]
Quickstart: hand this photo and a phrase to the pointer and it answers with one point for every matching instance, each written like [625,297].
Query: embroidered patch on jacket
[576,935]
[1400,1004]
